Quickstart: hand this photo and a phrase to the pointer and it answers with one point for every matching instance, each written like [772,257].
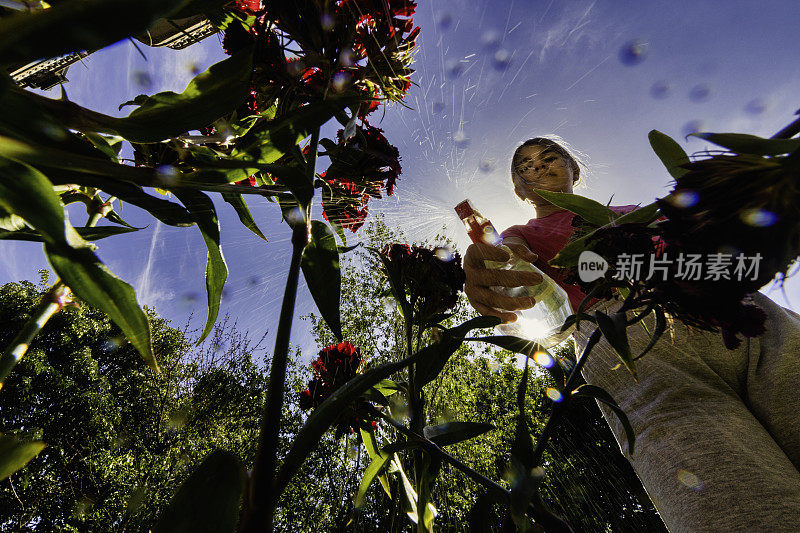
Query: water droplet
[327,21]
[437,107]
[633,52]
[693,126]
[341,80]
[729,250]
[296,67]
[54,132]
[490,39]
[699,93]
[689,479]
[168,175]
[294,216]
[453,68]
[553,394]
[501,59]
[111,344]
[460,138]
[758,218]
[486,165]
[142,79]
[190,298]
[445,20]
[194,68]
[225,293]
[544,359]
[684,199]
[443,254]
[347,57]
[660,89]
[350,129]
[756,107]
[254,281]
[537,472]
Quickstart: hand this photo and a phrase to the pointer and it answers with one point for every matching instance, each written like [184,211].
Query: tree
[120,437]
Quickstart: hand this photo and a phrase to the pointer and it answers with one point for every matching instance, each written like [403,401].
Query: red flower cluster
[336,365]
[360,169]
[431,278]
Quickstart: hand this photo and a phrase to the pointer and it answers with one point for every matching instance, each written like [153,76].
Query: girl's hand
[480,279]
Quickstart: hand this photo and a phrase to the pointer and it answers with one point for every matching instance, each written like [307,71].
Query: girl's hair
[556,147]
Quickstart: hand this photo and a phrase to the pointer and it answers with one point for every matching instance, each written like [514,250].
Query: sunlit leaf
[15,453]
[527,348]
[209,499]
[590,210]
[376,467]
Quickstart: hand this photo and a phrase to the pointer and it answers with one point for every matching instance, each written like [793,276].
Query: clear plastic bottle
[541,323]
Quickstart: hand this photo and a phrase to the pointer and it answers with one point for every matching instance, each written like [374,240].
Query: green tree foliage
[120,437]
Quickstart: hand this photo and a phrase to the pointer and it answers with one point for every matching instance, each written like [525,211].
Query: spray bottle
[541,323]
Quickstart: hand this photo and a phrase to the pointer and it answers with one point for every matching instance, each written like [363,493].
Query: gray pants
[717,431]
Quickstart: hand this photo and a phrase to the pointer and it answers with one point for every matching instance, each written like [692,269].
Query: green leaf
[95,284]
[210,95]
[90,234]
[245,217]
[434,357]
[455,432]
[669,152]
[201,208]
[320,264]
[593,391]
[28,193]
[523,484]
[76,25]
[569,254]
[590,210]
[376,467]
[208,501]
[15,453]
[615,331]
[371,444]
[743,143]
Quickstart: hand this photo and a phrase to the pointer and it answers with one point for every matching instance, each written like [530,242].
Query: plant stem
[264,494]
[52,302]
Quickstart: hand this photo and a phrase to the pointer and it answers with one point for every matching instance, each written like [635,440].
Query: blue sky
[488,76]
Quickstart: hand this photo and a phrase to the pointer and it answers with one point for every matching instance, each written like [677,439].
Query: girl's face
[541,167]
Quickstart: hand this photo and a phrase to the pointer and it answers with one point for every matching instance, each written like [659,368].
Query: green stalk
[263,494]
[52,302]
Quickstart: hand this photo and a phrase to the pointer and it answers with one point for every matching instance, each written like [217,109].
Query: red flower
[336,365]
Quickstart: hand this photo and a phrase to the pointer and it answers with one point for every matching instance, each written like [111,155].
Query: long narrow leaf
[615,331]
[590,210]
[245,217]
[90,234]
[455,432]
[376,466]
[202,210]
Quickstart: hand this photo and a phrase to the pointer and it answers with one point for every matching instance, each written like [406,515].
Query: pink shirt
[546,237]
